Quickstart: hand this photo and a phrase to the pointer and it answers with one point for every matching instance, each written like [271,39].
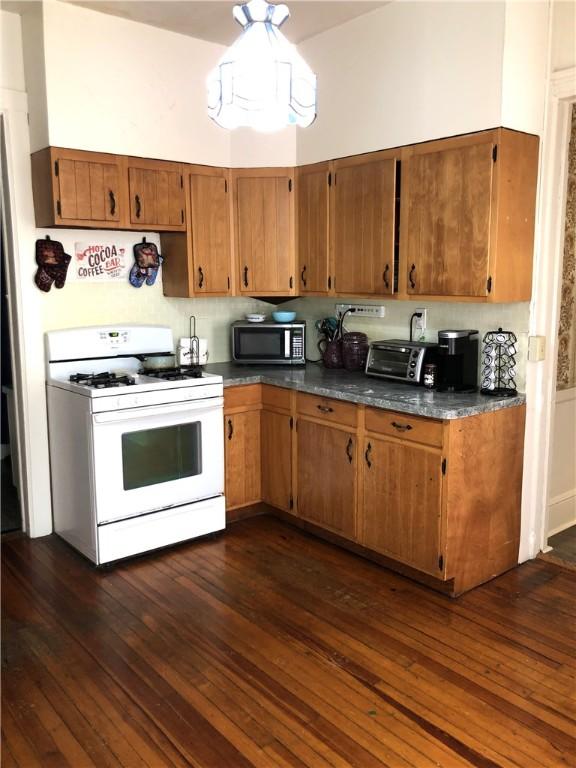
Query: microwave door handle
[130,414]
[287,344]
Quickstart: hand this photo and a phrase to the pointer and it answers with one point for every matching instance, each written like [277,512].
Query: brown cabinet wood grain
[264,231]
[363,213]
[242,458]
[327,476]
[312,221]
[199,262]
[277,459]
[75,188]
[401,503]
[468,206]
[156,193]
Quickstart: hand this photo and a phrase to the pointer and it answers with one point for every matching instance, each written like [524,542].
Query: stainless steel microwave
[400,360]
[269,343]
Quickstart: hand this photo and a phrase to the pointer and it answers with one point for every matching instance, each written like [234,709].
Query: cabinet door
[264,224]
[276,460]
[401,504]
[210,232]
[363,225]
[312,209]
[78,189]
[242,443]
[156,191]
[448,208]
[327,477]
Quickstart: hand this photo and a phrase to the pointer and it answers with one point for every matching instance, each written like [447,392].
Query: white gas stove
[137,457]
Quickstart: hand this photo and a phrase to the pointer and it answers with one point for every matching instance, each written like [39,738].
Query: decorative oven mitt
[52,264]
[147,262]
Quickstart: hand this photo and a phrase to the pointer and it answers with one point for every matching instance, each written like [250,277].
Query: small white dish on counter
[255,318]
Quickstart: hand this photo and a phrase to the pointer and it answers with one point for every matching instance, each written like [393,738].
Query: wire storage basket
[499,363]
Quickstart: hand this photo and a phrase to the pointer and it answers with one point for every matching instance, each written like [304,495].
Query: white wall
[563,34]
[524,68]
[562,507]
[407,72]
[11,58]
[117,86]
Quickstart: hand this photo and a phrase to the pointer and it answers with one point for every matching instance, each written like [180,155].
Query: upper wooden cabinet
[77,189]
[264,230]
[468,208]
[363,224]
[200,262]
[312,220]
[156,192]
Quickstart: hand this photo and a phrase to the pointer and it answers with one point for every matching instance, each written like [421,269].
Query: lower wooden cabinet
[242,457]
[327,476]
[401,507]
[436,500]
[277,459]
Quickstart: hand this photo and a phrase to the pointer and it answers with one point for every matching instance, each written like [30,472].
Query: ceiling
[213,20]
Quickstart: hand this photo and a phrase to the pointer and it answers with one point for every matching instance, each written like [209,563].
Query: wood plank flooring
[266,647]
[564,545]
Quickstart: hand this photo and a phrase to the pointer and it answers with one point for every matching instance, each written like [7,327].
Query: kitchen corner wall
[441,316]
[115,302]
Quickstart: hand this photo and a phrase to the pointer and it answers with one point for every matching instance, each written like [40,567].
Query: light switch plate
[536,348]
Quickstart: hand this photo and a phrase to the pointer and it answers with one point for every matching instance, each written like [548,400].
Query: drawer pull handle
[325,408]
[349,449]
[401,427]
[411,276]
[367,455]
[138,206]
[230,429]
[385,276]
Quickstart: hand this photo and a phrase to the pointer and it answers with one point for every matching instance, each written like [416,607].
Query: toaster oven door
[392,362]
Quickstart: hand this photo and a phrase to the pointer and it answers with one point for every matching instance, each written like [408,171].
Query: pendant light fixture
[261,81]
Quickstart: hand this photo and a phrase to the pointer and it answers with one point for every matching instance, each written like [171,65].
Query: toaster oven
[400,360]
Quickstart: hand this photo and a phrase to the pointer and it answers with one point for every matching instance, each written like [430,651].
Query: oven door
[390,361]
[152,458]
[266,344]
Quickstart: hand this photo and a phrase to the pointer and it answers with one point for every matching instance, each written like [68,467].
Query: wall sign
[98,262]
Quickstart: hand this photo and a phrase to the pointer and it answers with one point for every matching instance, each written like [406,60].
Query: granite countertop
[359,388]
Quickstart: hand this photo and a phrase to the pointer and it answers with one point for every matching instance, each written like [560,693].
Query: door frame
[25,317]
[544,312]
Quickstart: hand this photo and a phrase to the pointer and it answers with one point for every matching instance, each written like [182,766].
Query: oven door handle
[128,414]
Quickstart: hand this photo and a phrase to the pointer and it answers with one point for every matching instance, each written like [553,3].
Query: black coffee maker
[458,361]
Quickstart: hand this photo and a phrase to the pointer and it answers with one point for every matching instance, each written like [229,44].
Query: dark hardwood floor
[266,647]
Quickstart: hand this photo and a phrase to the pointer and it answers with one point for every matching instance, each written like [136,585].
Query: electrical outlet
[420,323]
[362,310]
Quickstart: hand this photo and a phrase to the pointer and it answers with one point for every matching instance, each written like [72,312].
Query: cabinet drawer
[413,428]
[276,397]
[249,395]
[344,414]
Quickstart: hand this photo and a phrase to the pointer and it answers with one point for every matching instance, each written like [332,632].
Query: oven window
[259,343]
[391,361]
[153,456]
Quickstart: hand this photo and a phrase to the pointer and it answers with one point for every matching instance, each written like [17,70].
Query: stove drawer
[159,529]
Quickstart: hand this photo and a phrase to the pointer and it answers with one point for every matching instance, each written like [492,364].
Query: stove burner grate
[102,380]
[175,374]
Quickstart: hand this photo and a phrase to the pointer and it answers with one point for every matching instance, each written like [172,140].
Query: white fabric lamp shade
[261,81]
